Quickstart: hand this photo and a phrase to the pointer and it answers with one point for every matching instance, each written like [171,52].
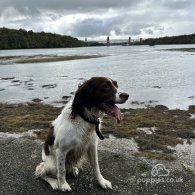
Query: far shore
[6,60]
[181,49]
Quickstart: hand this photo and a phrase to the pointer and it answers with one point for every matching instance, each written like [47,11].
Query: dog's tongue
[113,110]
[117,113]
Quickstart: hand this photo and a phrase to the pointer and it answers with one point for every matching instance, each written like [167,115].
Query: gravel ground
[128,174]
[118,145]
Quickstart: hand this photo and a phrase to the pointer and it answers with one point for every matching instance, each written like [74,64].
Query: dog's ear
[77,104]
[83,97]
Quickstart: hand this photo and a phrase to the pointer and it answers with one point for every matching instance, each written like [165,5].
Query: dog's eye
[115,84]
[107,85]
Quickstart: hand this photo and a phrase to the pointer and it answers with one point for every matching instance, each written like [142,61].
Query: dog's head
[99,92]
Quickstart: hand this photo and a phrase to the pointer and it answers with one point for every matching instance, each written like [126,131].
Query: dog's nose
[124,96]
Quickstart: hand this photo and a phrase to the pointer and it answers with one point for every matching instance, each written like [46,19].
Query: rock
[66,97]
[161,107]
[15,81]
[37,100]
[30,88]
[49,86]
[8,78]
[137,103]
[157,87]
[189,168]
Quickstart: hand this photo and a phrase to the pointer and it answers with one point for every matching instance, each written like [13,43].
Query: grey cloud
[98,26]
[159,28]
[148,31]
[92,27]
[117,30]
[128,17]
[35,6]
[178,4]
[135,29]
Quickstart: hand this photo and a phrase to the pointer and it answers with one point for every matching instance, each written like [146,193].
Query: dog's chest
[77,152]
[83,143]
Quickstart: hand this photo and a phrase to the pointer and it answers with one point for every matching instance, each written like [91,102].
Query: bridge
[110,42]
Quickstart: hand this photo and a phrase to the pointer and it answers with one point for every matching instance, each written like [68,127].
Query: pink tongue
[117,113]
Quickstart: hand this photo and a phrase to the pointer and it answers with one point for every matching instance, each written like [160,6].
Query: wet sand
[6,60]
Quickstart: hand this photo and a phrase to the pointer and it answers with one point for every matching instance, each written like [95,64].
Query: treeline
[22,39]
[181,39]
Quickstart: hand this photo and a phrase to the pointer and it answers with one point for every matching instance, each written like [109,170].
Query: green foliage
[22,39]
[181,39]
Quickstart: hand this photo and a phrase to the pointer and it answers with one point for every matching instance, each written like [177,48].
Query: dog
[74,133]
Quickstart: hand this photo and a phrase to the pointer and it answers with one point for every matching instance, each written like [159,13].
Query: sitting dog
[74,133]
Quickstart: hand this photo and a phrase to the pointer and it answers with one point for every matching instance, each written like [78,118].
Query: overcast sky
[101,18]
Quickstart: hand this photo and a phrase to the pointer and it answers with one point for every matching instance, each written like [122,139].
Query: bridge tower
[129,40]
[108,41]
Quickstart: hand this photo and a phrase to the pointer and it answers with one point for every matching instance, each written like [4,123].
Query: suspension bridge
[109,41]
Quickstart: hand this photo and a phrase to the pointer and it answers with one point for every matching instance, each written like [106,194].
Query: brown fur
[90,94]
[49,141]
[93,92]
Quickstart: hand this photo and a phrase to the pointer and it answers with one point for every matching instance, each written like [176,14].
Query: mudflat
[5,60]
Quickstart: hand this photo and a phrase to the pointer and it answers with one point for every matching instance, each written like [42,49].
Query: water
[146,73]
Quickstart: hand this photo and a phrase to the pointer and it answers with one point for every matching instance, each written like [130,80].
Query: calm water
[137,69]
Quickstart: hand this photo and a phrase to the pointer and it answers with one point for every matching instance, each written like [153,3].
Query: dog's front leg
[93,158]
[61,170]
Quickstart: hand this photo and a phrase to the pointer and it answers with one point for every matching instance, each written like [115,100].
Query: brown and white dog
[74,133]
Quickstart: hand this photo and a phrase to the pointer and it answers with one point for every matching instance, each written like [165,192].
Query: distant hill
[22,39]
[181,39]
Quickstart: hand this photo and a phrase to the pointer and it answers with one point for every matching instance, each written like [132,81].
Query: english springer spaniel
[74,133]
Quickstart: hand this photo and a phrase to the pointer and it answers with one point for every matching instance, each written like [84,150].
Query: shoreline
[181,49]
[7,60]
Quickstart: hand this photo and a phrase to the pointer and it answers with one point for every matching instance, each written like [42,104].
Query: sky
[97,19]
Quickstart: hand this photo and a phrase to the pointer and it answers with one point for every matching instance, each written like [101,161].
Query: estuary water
[151,75]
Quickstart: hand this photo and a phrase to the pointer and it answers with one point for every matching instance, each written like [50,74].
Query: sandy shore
[6,60]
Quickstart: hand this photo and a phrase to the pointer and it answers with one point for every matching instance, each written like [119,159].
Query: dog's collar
[98,132]
[91,118]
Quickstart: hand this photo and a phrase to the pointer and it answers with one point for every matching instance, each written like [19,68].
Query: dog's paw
[54,184]
[40,170]
[105,184]
[75,171]
[64,187]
